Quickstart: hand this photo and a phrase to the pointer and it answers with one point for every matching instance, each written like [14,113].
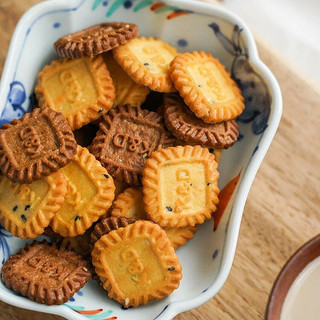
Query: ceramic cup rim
[305,254]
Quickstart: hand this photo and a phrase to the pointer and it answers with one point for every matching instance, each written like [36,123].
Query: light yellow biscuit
[129,204]
[180,186]
[206,87]
[179,236]
[137,264]
[127,90]
[90,194]
[27,209]
[81,89]
[147,60]
[120,186]
[215,151]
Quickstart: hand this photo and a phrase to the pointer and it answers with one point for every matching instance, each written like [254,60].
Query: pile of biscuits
[118,164]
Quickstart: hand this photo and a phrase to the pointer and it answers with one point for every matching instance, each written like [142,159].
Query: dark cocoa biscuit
[106,225]
[36,145]
[153,101]
[85,135]
[45,274]
[126,137]
[95,39]
[79,244]
[184,125]
[48,232]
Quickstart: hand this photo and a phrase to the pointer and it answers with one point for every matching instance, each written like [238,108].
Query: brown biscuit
[45,274]
[79,244]
[48,232]
[95,39]
[108,224]
[184,125]
[85,135]
[35,146]
[126,137]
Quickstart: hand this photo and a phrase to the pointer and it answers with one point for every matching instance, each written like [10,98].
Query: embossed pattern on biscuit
[137,264]
[126,137]
[129,204]
[127,90]
[180,186]
[26,209]
[90,194]
[81,89]
[184,125]
[206,87]
[36,145]
[147,60]
[95,39]
[45,274]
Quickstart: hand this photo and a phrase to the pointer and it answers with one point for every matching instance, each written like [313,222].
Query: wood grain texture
[282,211]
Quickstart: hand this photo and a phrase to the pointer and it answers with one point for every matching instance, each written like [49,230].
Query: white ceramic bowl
[189,25]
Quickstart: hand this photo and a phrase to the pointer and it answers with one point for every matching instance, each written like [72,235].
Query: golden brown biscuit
[81,89]
[120,186]
[206,87]
[137,264]
[127,90]
[90,194]
[180,186]
[147,60]
[129,204]
[179,236]
[27,209]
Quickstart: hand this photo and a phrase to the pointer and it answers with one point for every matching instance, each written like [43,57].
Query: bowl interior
[206,260]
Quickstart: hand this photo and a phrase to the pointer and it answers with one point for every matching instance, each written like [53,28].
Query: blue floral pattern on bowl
[254,89]
[4,246]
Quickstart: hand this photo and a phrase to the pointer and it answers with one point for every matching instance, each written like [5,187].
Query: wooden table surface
[283,208]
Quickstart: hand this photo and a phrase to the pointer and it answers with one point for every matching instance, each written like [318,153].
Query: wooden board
[282,211]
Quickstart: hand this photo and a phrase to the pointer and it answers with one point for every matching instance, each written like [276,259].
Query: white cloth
[292,27]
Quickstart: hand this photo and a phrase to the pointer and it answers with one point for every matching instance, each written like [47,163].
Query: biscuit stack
[118,164]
